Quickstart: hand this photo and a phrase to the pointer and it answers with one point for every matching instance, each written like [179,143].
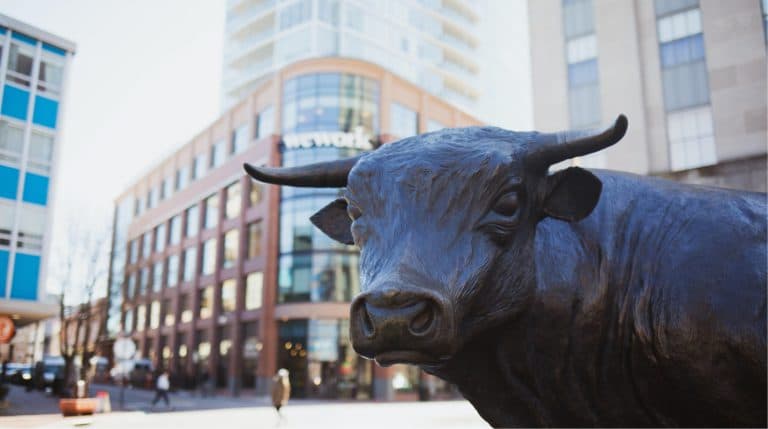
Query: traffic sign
[124,348]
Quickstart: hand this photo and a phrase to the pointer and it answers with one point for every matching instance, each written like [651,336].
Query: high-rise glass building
[431,43]
[33,70]
[689,74]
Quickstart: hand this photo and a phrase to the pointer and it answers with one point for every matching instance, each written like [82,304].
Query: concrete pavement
[243,412]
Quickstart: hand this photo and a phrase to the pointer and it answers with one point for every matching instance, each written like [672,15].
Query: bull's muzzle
[393,324]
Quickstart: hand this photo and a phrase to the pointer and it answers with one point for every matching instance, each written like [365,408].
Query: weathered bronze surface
[578,298]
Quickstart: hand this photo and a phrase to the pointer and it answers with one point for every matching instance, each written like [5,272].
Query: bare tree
[84,268]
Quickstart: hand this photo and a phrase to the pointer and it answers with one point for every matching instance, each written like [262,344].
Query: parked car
[49,375]
[19,373]
[138,372]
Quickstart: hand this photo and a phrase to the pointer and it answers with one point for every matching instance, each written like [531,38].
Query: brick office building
[213,273]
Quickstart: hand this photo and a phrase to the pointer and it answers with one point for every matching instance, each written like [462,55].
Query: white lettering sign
[357,139]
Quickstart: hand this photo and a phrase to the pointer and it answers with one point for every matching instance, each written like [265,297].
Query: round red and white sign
[7,329]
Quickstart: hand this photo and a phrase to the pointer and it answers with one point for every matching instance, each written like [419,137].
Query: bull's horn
[330,174]
[551,148]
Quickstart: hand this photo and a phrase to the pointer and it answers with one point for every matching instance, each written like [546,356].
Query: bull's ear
[572,194]
[334,221]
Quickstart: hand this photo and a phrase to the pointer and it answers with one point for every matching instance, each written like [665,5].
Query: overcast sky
[146,77]
[144,80]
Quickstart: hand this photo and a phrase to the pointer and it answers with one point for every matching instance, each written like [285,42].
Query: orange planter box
[77,407]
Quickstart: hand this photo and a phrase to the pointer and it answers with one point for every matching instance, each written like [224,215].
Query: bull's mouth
[411,357]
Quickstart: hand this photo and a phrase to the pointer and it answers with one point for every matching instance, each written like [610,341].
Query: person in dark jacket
[281,389]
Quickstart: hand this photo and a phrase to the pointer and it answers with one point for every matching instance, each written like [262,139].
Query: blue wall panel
[3,271]
[26,270]
[45,112]
[15,102]
[24,38]
[54,49]
[9,182]
[35,189]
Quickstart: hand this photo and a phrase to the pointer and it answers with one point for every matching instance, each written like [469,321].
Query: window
[154,315]
[128,322]
[206,302]
[186,308]
[691,138]
[578,18]
[144,281]
[146,245]
[211,211]
[228,296]
[218,153]
[684,73]
[11,142]
[182,178]
[255,193]
[254,240]
[20,63]
[318,277]
[208,263]
[198,166]
[141,317]
[231,248]
[234,199]
[31,220]
[295,14]
[169,313]
[154,197]
[190,259]
[40,152]
[764,7]
[175,227]
[134,246]
[581,49]
[240,139]
[404,121]
[7,220]
[330,102]
[160,238]
[265,123]
[131,289]
[679,25]
[157,277]
[253,290]
[173,270]
[51,73]
[166,189]
[665,7]
[193,221]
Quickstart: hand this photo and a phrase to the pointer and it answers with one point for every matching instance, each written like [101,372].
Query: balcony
[238,49]
[237,20]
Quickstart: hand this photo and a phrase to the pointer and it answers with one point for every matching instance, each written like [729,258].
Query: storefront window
[251,350]
[318,277]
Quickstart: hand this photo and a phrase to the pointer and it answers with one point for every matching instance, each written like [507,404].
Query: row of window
[685,84]
[40,153]
[162,312]
[21,63]
[183,267]
[219,152]
[210,206]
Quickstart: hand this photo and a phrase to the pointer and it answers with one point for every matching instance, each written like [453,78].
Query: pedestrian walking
[281,389]
[162,386]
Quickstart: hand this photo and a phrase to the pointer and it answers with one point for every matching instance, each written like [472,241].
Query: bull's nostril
[423,320]
[366,322]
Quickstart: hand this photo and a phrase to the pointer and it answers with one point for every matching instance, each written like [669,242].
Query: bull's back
[696,269]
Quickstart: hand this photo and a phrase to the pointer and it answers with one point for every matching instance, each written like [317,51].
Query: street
[35,410]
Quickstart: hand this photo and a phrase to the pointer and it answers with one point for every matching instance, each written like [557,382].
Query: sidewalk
[141,400]
[29,409]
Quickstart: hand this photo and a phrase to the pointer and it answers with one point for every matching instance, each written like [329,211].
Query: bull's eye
[507,204]
[353,211]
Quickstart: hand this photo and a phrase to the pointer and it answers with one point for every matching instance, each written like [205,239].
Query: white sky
[144,80]
[146,77]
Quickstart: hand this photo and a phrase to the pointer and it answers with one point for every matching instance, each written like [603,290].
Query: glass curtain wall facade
[313,267]
[685,84]
[584,106]
[32,78]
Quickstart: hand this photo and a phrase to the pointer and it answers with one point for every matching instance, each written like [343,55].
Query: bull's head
[445,223]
